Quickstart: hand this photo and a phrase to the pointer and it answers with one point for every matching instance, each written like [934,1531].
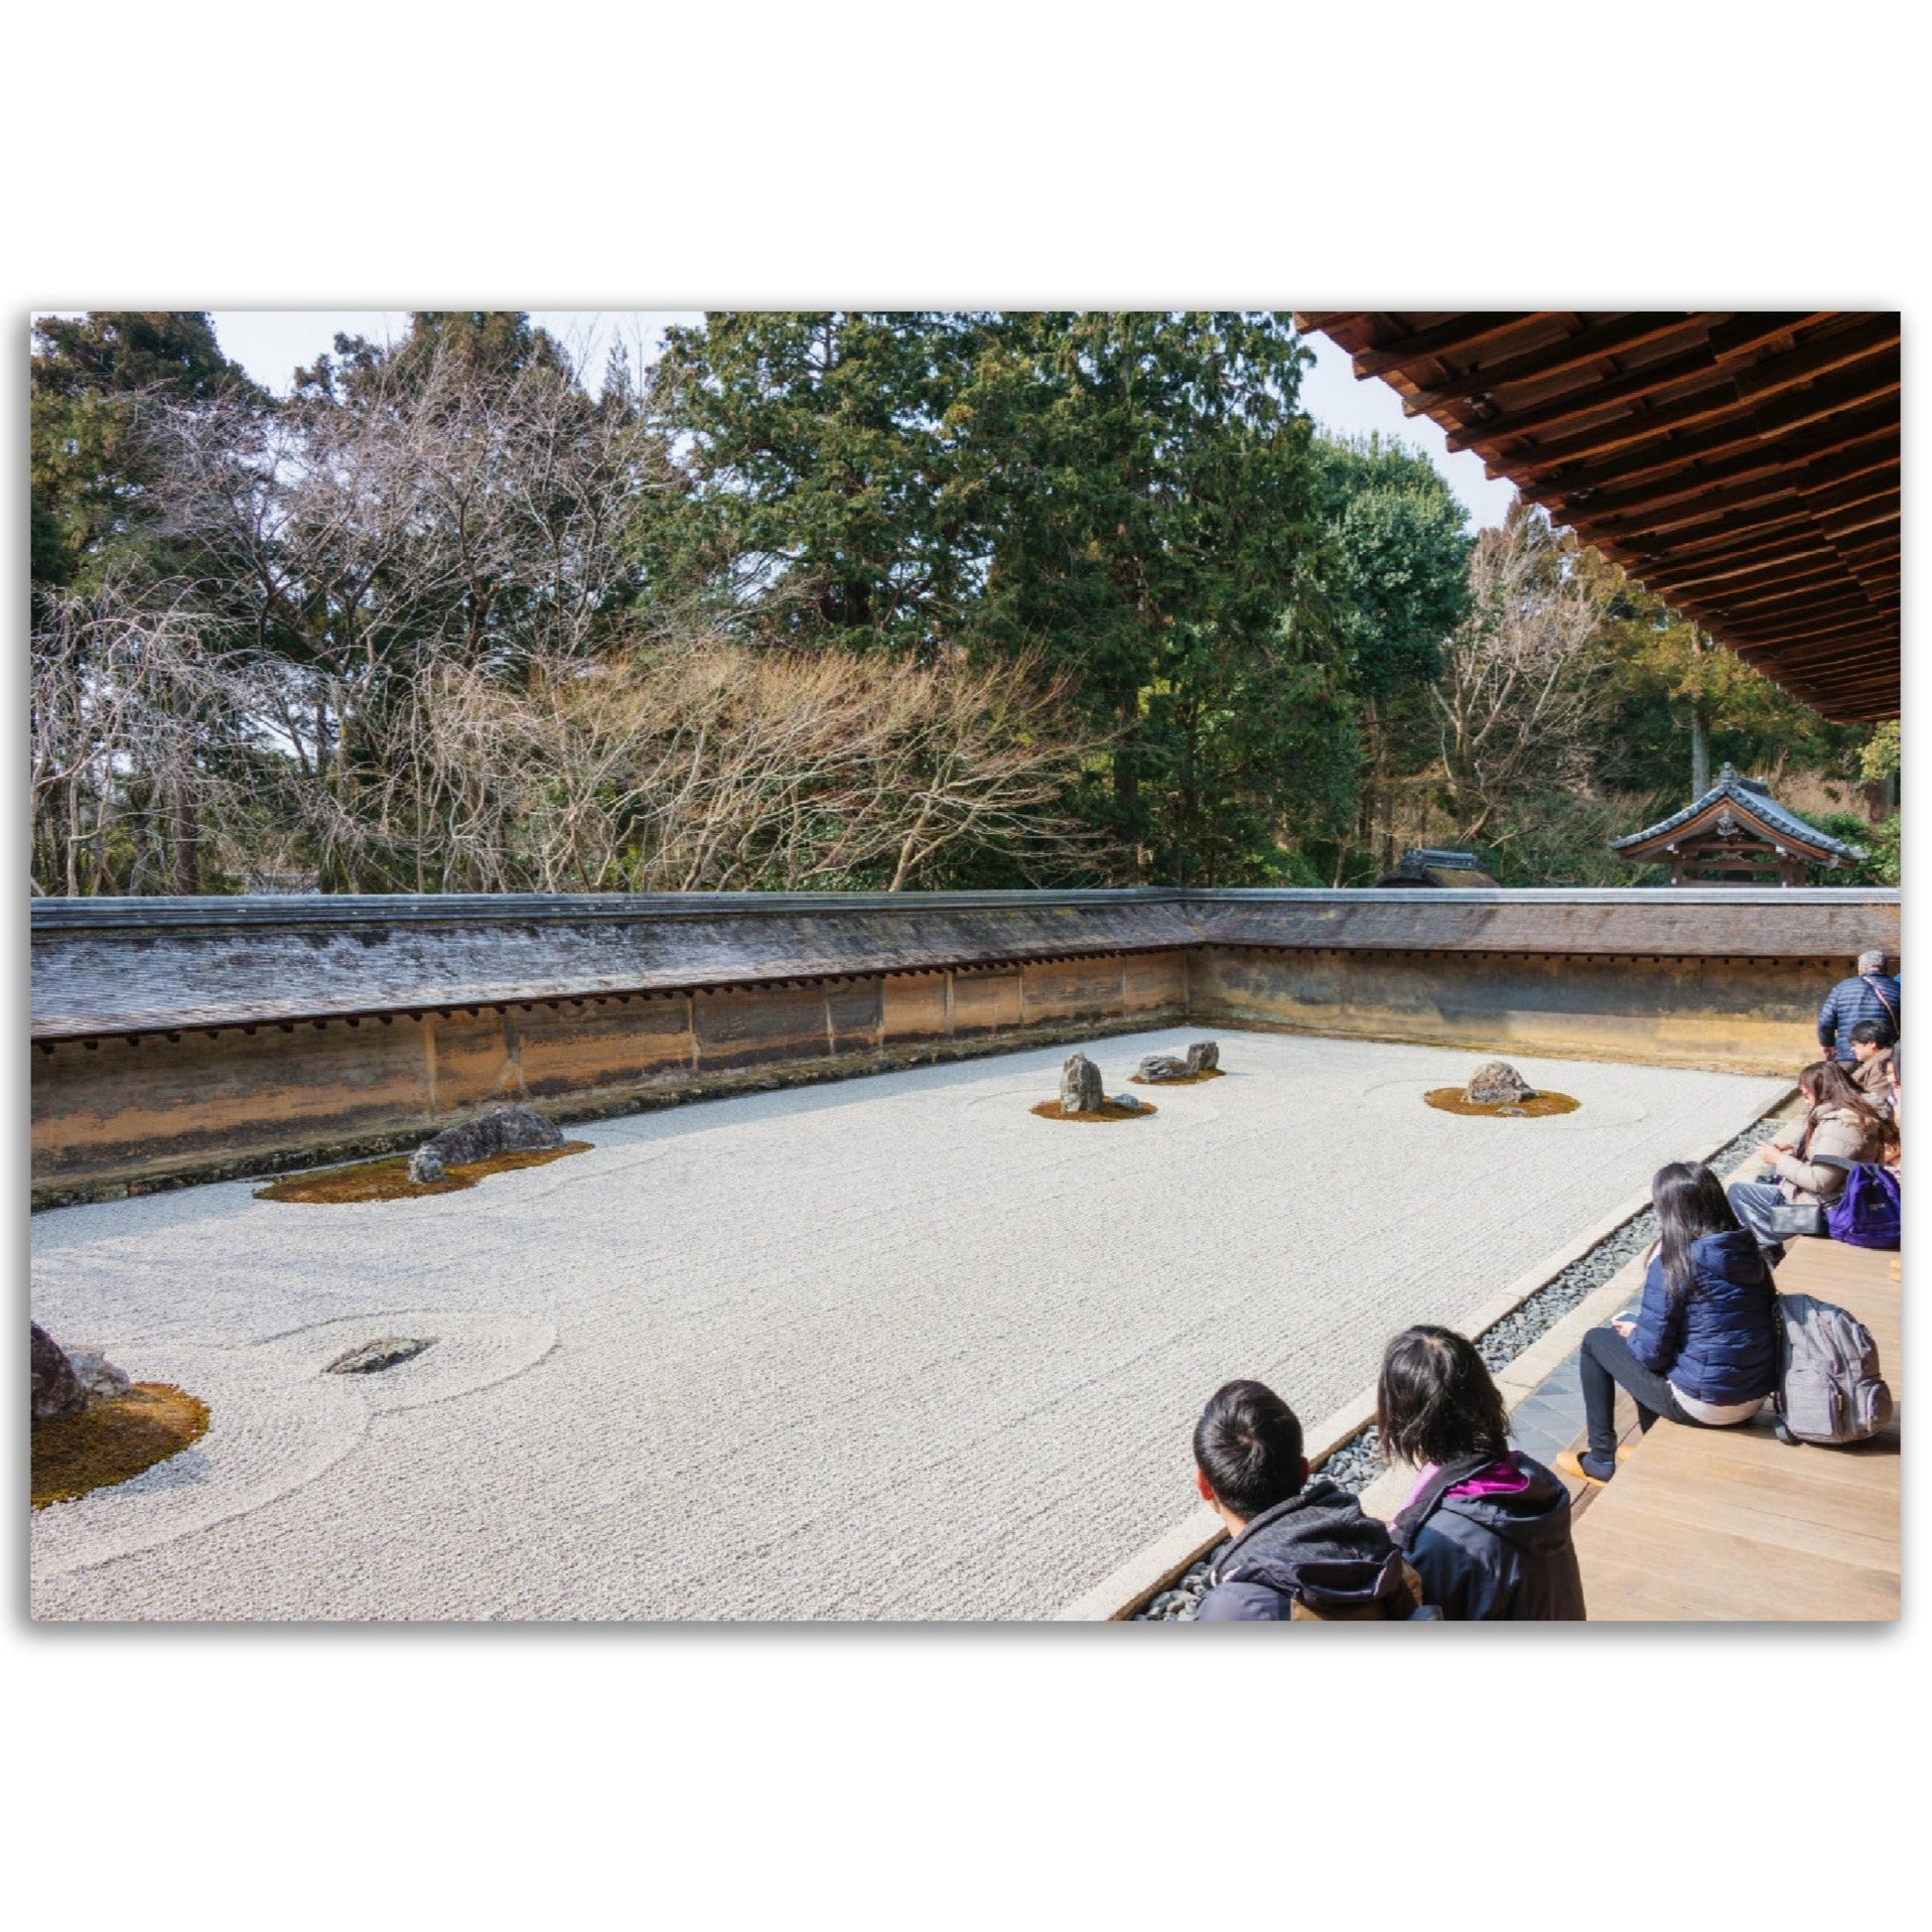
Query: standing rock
[1497,1080]
[1204,1057]
[1080,1088]
[501,1130]
[57,1390]
[1162,1066]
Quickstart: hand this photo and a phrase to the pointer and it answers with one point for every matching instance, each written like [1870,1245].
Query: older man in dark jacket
[1871,994]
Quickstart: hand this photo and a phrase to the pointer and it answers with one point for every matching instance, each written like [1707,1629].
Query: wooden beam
[1588,345]
[1873,669]
[1860,462]
[1765,610]
[1771,492]
[1876,514]
[1868,626]
[1761,622]
[1833,395]
[1687,467]
[1780,518]
[1850,655]
[1747,333]
[1777,373]
[1823,570]
[1816,561]
[1694,372]
[1459,332]
[1714,402]
[1841,592]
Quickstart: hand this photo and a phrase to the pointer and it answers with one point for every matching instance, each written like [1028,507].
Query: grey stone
[1080,1089]
[97,1375]
[1204,1057]
[1497,1080]
[497,1130]
[56,1389]
[1157,1067]
[373,1357]
[1125,1102]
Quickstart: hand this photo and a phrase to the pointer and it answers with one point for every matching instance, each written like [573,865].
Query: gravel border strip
[1357,1463]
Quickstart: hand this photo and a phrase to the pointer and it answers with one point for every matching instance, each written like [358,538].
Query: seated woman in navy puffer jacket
[1704,1348]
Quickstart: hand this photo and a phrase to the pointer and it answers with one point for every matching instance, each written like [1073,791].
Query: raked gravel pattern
[889,1348]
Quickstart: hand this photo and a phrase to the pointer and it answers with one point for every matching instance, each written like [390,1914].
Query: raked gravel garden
[889,1348]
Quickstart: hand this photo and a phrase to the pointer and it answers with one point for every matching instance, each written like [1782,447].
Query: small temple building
[1736,834]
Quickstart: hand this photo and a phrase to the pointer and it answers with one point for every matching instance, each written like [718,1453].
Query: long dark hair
[1689,1202]
[1436,1400]
[1827,1084]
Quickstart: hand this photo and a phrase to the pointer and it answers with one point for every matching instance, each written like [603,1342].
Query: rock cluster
[65,1380]
[500,1130]
[1497,1081]
[1204,1057]
[1080,1089]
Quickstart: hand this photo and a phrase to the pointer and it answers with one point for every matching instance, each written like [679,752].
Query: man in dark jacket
[1871,994]
[1493,1543]
[1301,1548]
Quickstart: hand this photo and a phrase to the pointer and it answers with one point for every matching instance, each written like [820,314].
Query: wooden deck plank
[1731,1524]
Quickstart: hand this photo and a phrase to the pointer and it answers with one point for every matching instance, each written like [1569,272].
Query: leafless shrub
[403,655]
[1515,701]
[717,766]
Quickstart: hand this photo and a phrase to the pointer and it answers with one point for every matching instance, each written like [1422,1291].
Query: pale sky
[271,344]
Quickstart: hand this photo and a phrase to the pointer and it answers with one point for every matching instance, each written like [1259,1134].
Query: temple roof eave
[1770,819]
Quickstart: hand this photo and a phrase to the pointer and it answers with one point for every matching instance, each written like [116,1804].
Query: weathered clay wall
[179,1039]
[1744,1016]
[145,1109]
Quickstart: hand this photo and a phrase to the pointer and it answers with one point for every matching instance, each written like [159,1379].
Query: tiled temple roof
[1756,803]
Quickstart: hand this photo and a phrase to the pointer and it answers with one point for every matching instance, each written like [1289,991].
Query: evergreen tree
[87,468]
[814,475]
[1155,513]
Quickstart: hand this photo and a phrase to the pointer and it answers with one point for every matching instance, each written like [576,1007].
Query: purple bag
[1866,1214]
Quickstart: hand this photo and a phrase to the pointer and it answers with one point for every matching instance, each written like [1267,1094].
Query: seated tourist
[1486,1528]
[1704,1347]
[1841,1127]
[1871,1044]
[1302,1546]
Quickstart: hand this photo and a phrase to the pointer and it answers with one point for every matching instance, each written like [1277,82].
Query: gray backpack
[1828,1386]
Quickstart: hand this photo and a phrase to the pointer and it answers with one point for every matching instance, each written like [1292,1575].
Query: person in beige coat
[1871,1044]
[1841,1127]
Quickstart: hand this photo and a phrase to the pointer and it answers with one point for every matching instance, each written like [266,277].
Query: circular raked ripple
[276,1420]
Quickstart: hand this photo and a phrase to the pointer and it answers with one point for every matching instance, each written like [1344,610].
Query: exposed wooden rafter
[1745,466]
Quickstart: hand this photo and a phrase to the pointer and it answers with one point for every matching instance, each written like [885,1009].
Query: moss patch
[1050,1110]
[389,1179]
[1186,1081]
[111,1441]
[1537,1107]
